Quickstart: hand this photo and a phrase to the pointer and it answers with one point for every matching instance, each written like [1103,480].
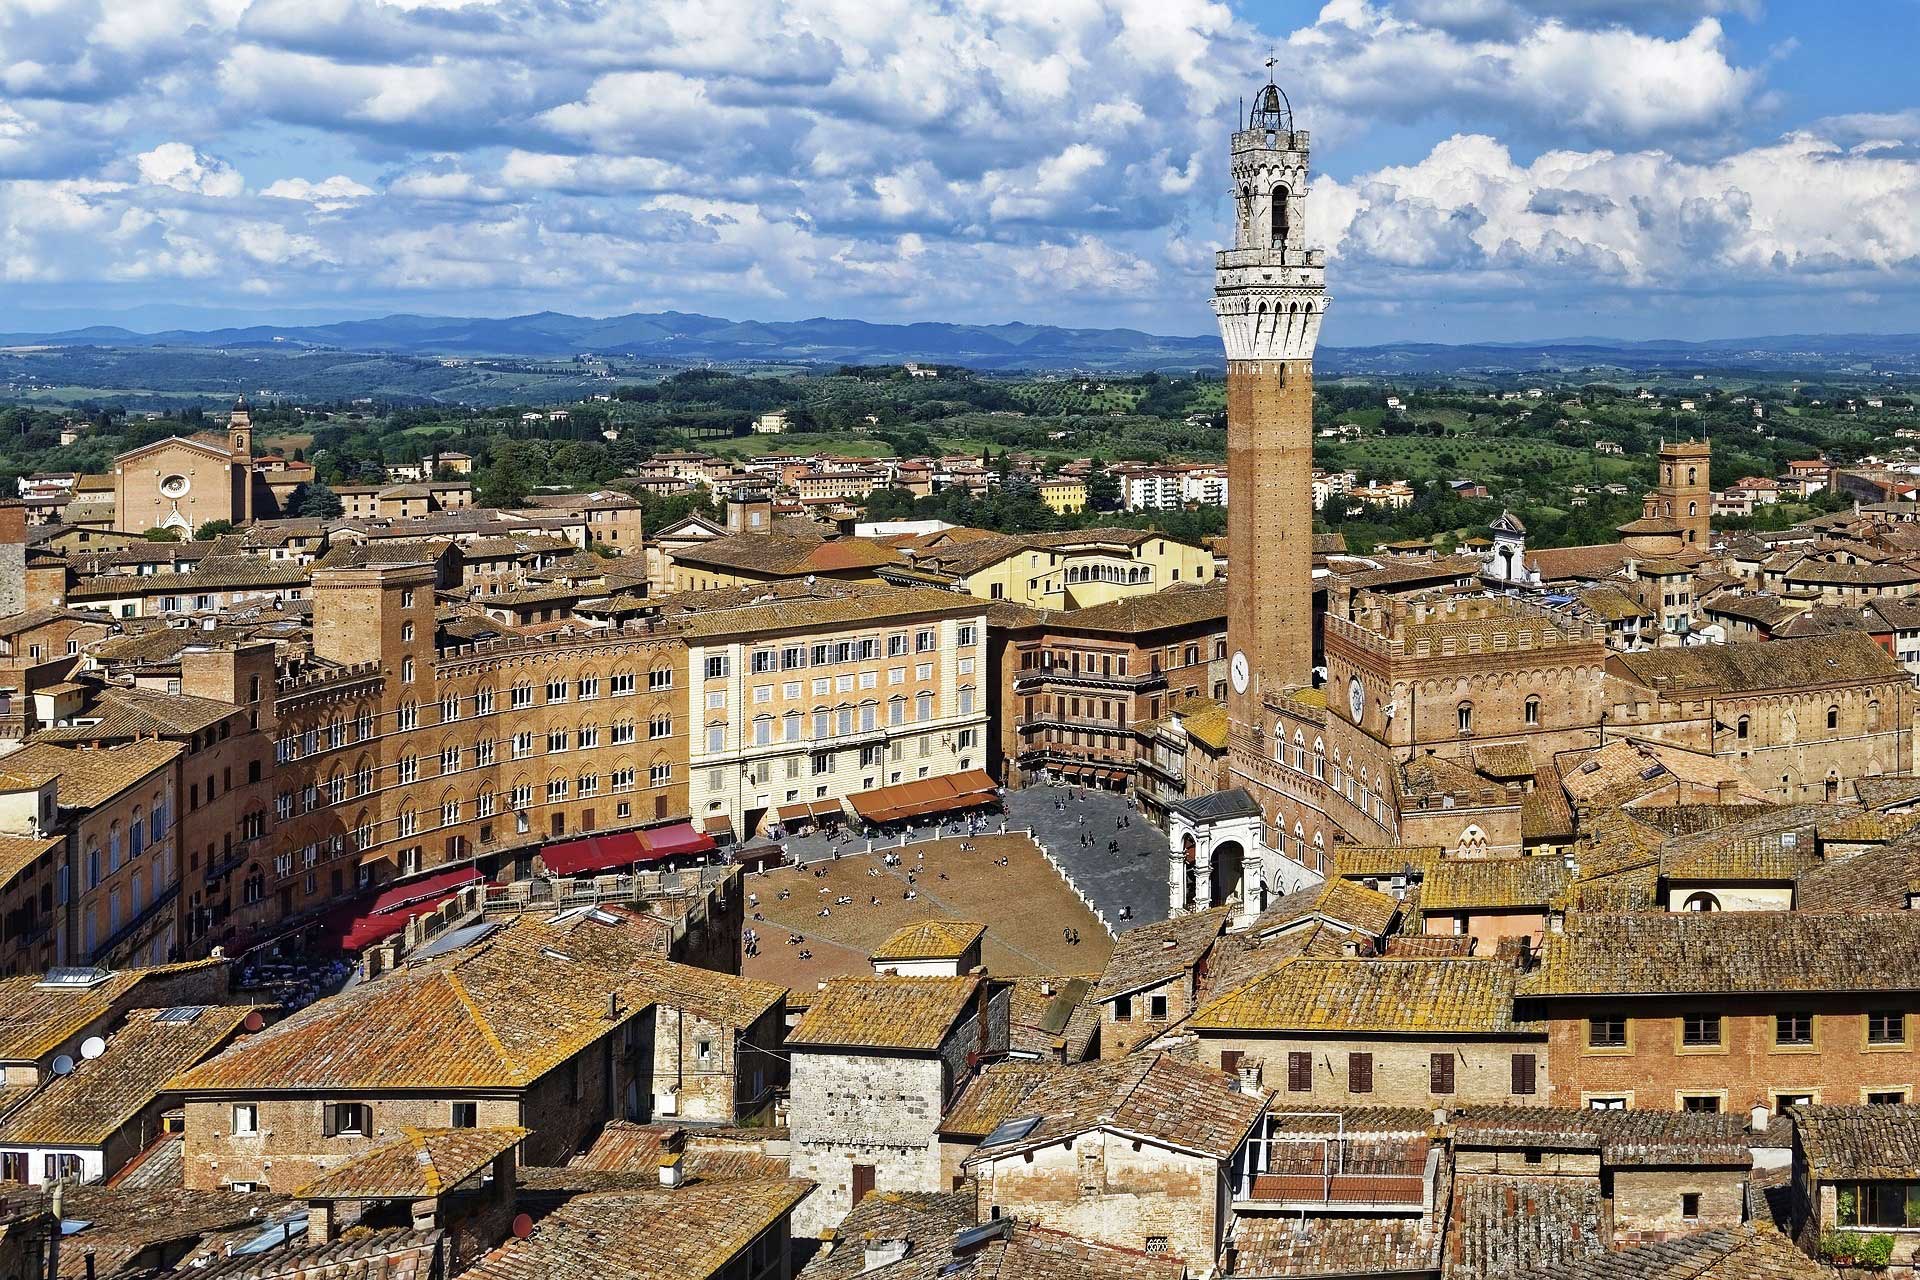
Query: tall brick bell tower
[1269,295]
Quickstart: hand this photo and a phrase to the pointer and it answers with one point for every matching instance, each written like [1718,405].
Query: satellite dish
[92,1047]
[63,1065]
[522,1226]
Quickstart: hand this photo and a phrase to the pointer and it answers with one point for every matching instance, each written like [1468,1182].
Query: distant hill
[681,338]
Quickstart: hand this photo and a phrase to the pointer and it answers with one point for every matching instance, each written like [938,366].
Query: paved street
[1135,877]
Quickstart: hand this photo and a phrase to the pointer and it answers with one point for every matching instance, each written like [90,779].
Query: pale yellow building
[808,695]
[1064,497]
[1069,570]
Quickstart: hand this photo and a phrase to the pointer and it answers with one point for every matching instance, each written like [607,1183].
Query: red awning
[674,840]
[364,930]
[411,891]
[595,853]
[358,925]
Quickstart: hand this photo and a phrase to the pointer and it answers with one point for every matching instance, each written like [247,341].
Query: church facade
[184,482]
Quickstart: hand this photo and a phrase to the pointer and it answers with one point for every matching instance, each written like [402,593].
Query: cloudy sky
[1502,169]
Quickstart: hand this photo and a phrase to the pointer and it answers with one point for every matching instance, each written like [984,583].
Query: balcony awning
[925,796]
[358,925]
[674,840]
[595,853]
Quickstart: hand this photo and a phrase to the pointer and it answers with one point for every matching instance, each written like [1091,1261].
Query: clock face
[1356,699]
[1239,671]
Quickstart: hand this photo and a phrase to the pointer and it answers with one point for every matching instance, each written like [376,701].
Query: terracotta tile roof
[1486,884]
[419,1164]
[878,1012]
[1647,1139]
[395,1253]
[823,604]
[91,778]
[710,1156]
[1776,843]
[1505,760]
[1348,905]
[993,1095]
[130,713]
[1758,665]
[1208,725]
[103,1094]
[1563,564]
[1861,1142]
[1330,1246]
[36,1019]
[1381,861]
[1730,952]
[1888,791]
[1146,1095]
[497,1015]
[1428,945]
[18,853]
[927,1222]
[691,1233]
[231,572]
[126,1222]
[1053,1016]
[1433,997]
[1155,953]
[1174,606]
[1501,1228]
[930,940]
[1037,1253]
[1545,811]
[1613,605]
[1723,1253]
[1874,880]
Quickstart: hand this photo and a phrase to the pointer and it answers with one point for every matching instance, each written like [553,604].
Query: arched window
[1873,715]
[1833,717]
[1279,216]
[1833,787]
[1464,717]
[1693,508]
[1693,475]
[1701,902]
[1740,729]
[1533,710]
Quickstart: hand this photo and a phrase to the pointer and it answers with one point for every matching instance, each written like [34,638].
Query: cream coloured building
[813,694]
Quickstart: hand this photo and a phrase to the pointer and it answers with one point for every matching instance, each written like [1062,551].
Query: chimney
[1250,1076]
[1556,921]
[673,1145]
[1759,1117]
[1350,949]
[1439,1117]
[883,1253]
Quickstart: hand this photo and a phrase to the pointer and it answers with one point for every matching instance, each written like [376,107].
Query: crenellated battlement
[325,680]
[634,633]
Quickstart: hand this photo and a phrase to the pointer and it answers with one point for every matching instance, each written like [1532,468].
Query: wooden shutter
[1230,1061]
[329,1120]
[862,1182]
[1359,1073]
[1523,1073]
[1299,1072]
[1440,1073]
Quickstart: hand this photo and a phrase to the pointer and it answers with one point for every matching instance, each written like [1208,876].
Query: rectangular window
[1299,1072]
[1440,1073]
[719,666]
[1701,1103]
[246,1120]
[1886,1026]
[1700,1030]
[1607,1033]
[1792,1029]
[621,683]
[1525,1073]
[466,1115]
[1359,1073]
[1156,1008]
[346,1120]
[657,679]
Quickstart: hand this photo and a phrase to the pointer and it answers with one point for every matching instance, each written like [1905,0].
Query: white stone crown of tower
[1270,290]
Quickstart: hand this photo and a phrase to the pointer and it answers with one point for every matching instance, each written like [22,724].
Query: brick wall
[1100,1186]
[1482,1069]
[1747,1067]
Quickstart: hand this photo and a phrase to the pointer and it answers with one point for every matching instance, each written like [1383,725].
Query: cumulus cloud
[178,165]
[908,157]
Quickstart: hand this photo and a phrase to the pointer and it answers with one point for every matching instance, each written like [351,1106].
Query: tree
[212,529]
[162,535]
[1103,488]
[317,501]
